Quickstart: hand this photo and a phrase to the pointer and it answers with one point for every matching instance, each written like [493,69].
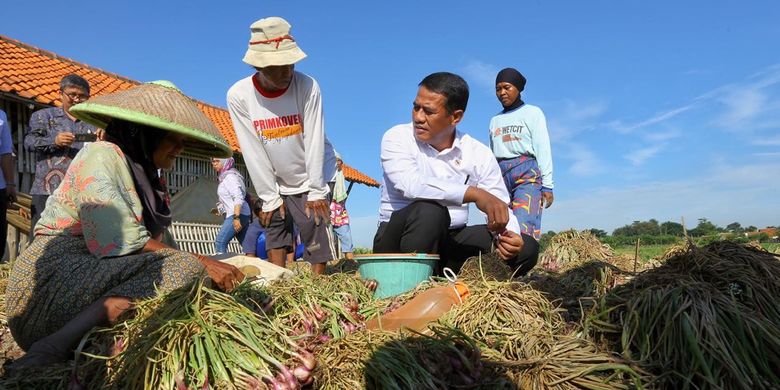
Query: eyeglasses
[76,96]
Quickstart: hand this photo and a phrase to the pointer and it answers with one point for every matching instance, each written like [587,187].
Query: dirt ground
[8,348]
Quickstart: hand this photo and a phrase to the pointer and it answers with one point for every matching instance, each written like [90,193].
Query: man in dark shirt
[56,136]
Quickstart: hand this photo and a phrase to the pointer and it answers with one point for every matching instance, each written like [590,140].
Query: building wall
[187,169]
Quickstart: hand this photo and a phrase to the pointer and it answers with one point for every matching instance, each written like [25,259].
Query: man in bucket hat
[278,119]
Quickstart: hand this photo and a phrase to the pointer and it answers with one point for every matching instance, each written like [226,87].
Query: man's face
[70,96]
[432,123]
[276,77]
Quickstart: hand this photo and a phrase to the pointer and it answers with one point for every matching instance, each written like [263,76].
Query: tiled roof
[353,174]
[35,74]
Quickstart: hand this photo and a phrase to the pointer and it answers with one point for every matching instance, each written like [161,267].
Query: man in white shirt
[432,172]
[278,119]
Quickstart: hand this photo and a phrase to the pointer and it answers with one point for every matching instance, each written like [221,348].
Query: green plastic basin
[396,273]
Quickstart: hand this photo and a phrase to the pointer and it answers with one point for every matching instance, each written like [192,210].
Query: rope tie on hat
[277,40]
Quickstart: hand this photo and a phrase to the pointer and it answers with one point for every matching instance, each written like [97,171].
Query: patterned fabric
[52,160]
[57,277]
[338,214]
[97,200]
[523,179]
[227,164]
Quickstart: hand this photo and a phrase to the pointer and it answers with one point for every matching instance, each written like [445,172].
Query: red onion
[179,379]
[302,373]
[206,385]
[307,358]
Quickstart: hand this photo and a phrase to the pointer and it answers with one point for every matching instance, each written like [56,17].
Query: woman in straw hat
[98,245]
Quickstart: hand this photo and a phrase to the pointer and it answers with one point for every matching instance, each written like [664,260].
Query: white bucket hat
[271,44]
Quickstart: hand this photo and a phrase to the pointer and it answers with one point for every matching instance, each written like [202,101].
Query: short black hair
[257,206]
[452,86]
[74,80]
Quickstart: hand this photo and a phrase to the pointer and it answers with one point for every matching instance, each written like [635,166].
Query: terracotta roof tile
[353,174]
[35,74]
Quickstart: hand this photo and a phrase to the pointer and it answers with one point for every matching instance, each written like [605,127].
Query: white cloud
[661,136]
[639,156]
[482,74]
[751,200]
[584,161]
[742,106]
[767,141]
[656,119]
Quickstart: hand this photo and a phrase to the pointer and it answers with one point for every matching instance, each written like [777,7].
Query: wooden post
[636,253]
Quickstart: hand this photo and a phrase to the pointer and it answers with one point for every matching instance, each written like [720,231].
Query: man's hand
[509,244]
[101,134]
[547,197]
[265,216]
[496,210]
[319,210]
[64,139]
[226,276]
[236,224]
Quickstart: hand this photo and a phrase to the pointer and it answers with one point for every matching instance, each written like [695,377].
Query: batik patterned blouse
[97,200]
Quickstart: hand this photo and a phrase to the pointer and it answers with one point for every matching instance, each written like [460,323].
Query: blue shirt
[523,132]
[51,160]
[6,143]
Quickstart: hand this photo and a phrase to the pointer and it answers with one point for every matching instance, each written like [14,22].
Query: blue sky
[662,109]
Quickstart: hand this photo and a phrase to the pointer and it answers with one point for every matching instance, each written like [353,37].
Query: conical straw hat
[157,104]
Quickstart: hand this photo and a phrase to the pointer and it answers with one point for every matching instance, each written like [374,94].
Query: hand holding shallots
[226,276]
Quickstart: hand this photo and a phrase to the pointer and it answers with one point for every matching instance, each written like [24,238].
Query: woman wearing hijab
[521,144]
[98,245]
[232,203]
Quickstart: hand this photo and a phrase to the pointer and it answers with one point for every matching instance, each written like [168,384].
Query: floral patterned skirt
[57,277]
[523,180]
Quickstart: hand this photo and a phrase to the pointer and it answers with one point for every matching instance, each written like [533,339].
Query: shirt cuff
[316,194]
[513,225]
[272,204]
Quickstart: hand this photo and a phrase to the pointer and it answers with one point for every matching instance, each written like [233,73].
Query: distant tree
[734,227]
[704,228]
[598,233]
[544,240]
[672,228]
[750,228]
[637,228]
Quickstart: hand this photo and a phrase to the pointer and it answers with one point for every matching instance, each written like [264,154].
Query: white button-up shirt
[414,170]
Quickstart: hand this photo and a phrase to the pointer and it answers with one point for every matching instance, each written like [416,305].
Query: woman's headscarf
[512,76]
[138,143]
[227,164]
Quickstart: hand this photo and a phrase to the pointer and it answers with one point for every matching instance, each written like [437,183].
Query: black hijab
[138,143]
[512,76]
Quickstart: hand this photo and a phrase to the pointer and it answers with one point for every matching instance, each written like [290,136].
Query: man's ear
[457,115]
